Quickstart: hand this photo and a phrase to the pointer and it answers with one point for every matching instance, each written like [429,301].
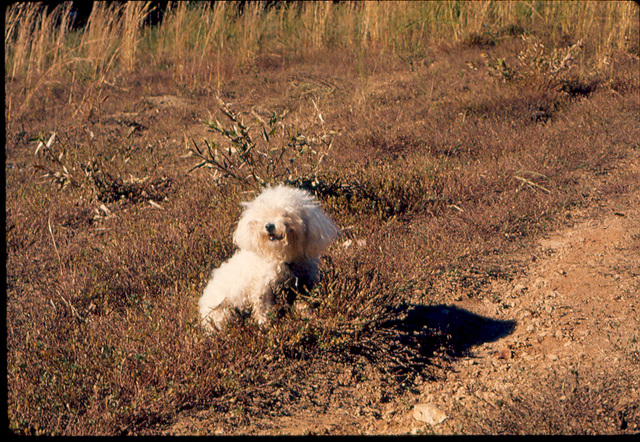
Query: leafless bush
[276,154]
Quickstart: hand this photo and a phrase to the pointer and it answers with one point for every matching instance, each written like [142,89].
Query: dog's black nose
[270,228]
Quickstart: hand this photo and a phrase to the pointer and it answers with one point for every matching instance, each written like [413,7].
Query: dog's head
[286,224]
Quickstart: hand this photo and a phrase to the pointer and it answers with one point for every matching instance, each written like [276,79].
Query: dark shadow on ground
[424,335]
[460,328]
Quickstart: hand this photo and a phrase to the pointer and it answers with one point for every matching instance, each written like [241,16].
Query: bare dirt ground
[574,315]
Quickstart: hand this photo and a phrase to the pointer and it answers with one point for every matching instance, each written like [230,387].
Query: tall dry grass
[196,37]
[41,47]
[187,37]
[111,36]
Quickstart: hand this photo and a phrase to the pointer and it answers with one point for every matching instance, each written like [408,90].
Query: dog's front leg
[262,307]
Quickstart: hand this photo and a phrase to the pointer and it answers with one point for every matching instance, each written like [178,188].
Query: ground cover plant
[442,137]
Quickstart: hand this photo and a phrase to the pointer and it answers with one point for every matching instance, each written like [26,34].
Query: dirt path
[577,317]
[572,359]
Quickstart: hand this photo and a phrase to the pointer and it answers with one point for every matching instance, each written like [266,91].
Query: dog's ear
[244,237]
[321,231]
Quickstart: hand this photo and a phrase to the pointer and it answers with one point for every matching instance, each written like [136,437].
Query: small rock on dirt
[429,414]
[505,353]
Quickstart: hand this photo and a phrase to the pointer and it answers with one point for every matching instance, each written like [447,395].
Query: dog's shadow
[446,330]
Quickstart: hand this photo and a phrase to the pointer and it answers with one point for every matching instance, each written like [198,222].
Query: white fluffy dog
[280,236]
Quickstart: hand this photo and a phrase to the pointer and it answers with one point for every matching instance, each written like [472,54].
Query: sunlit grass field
[440,136]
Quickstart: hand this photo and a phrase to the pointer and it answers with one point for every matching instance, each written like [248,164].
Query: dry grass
[439,165]
[564,405]
[196,42]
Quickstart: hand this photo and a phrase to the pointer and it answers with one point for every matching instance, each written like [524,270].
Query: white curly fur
[280,236]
